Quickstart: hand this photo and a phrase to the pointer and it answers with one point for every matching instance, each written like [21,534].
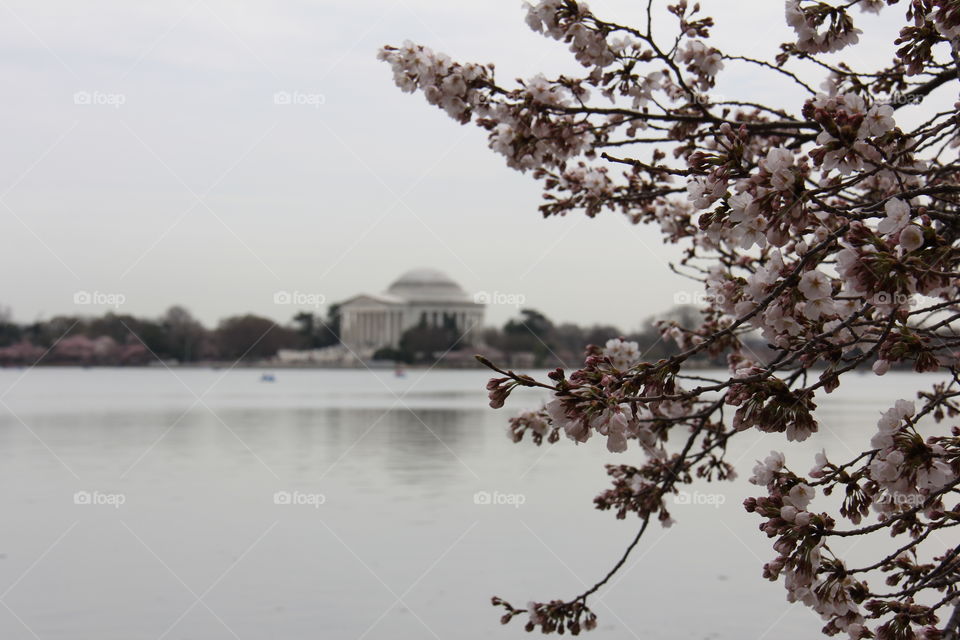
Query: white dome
[427,285]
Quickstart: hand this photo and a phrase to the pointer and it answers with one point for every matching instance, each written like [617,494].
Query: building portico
[420,297]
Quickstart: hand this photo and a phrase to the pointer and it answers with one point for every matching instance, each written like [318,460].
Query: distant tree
[75,349]
[532,331]
[305,323]
[46,333]
[599,334]
[328,331]
[21,353]
[530,322]
[185,336]
[10,331]
[132,353]
[318,331]
[105,350]
[251,337]
[425,342]
[126,329]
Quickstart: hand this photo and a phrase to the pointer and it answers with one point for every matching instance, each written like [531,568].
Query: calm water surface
[398,548]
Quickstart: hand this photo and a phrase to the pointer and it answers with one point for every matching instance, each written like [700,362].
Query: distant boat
[268,377]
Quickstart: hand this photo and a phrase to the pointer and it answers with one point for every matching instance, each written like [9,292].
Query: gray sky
[200,190]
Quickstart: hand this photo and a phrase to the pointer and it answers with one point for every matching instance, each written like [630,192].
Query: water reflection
[399,476]
[416,444]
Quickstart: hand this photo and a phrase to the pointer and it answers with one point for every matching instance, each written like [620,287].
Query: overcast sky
[144,155]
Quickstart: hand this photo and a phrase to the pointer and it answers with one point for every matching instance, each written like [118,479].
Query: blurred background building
[421,298]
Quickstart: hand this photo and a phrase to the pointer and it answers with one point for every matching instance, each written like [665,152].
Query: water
[398,548]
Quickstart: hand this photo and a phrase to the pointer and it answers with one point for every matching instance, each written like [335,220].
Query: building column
[390,327]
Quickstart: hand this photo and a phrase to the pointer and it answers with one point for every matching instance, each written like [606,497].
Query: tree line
[177,337]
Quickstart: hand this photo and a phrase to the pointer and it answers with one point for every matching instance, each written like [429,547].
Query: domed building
[421,296]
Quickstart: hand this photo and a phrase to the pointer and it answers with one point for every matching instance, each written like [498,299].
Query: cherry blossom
[911,237]
[824,227]
[805,21]
[623,354]
[898,216]
[815,285]
[765,471]
[878,121]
